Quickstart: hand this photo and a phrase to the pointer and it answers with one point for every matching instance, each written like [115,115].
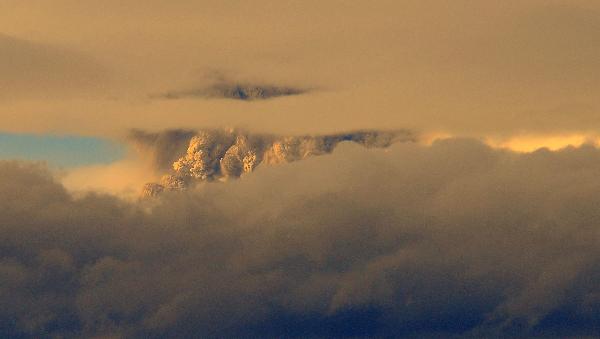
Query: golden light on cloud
[478,68]
[530,143]
[123,178]
[524,143]
[380,170]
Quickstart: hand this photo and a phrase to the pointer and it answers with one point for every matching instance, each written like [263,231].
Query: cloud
[123,178]
[162,148]
[226,89]
[219,84]
[450,239]
[31,69]
[215,154]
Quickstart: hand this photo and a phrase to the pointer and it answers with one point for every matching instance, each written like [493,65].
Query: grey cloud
[455,239]
[216,85]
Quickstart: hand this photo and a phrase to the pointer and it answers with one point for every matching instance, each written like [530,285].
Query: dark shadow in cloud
[219,84]
[235,91]
[223,88]
[452,240]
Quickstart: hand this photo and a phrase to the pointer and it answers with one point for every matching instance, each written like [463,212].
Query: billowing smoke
[223,154]
[453,239]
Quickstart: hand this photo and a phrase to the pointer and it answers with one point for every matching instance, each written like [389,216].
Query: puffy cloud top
[222,154]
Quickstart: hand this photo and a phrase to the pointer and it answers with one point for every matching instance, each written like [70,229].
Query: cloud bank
[480,69]
[453,239]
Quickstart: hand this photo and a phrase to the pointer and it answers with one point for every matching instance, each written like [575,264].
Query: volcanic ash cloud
[224,154]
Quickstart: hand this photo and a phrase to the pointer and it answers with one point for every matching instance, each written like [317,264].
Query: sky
[405,168]
[62,151]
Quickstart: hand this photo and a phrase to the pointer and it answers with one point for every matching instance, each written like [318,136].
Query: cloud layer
[452,239]
[481,69]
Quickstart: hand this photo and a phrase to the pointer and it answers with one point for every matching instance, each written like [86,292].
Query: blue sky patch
[59,150]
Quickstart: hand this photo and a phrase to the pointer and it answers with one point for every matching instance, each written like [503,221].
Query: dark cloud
[236,91]
[220,86]
[455,239]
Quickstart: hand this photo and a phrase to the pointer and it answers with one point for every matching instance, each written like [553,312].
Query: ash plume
[225,154]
